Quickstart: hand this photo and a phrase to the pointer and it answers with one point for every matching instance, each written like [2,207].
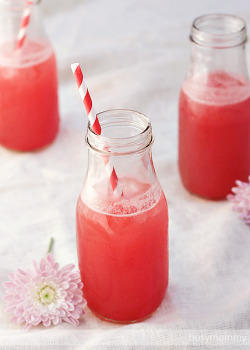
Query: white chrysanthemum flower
[47,295]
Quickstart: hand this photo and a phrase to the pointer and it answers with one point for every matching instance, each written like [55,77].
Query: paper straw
[24,26]
[84,92]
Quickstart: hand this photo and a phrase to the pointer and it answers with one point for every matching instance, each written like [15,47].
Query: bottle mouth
[123,132]
[218,31]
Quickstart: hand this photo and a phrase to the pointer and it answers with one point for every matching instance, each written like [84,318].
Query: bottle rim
[218,31]
[119,122]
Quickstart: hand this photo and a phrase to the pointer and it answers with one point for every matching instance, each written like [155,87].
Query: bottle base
[208,197]
[33,149]
[123,321]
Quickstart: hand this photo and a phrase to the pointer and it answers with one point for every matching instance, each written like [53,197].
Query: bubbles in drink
[217,88]
[138,197]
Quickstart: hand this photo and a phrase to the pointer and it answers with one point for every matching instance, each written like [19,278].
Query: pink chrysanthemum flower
[47,295]
[241,199]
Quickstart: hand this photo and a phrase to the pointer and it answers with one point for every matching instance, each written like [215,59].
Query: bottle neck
[218,31]
[125,141]
[18,19]
[205,60]
[218,44]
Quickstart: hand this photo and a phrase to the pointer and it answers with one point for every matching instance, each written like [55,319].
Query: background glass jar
[214,108]
[122,240]
[29,116]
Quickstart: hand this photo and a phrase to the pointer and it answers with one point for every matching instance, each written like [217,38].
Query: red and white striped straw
[24,26]
[84,92]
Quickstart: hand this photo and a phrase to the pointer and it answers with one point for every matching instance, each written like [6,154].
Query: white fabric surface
[135,55]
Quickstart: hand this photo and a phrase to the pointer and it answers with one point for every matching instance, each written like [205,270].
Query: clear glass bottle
[214,108]
[29,117]
[122,240]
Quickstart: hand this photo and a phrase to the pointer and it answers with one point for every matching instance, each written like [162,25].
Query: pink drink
[214,133]
[29,116]
[123,251]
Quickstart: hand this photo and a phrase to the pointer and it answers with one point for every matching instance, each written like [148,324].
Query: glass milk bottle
[214,108]
[29,116]
[122,240]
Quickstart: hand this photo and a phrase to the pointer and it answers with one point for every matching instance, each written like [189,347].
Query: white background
[135,55]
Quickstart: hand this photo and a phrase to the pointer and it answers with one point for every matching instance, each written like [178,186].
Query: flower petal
[47,323]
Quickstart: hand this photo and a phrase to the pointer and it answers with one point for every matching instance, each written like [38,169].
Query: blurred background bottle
[214,108]
[29,117]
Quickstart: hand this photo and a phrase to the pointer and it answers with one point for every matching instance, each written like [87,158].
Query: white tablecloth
[135,55]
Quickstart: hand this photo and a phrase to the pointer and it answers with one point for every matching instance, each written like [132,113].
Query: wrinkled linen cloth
[134,55]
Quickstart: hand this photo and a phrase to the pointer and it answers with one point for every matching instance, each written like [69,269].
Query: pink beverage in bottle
[122,241]
[214,109]
[29,117]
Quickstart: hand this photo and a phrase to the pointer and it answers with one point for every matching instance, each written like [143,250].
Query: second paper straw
[24,25]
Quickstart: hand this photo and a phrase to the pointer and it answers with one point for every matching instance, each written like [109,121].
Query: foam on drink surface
[138,197]
[217,88]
